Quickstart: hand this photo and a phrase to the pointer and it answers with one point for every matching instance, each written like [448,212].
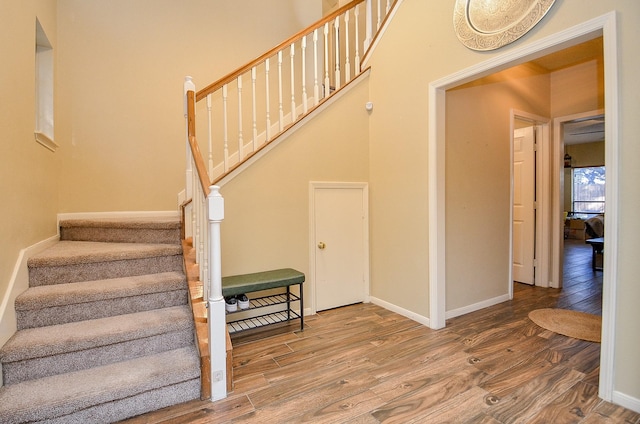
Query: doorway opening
[604,26]
[567,133]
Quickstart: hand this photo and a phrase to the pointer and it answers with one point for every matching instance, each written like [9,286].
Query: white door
[339,246]
[524,190]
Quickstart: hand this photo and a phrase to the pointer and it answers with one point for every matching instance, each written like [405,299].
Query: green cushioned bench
[261,281]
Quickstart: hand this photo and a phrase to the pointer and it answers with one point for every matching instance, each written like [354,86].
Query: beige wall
[121,69]
[29,179]
[421,46]
[578,89]
[478,172]
[266,223]
[119,118]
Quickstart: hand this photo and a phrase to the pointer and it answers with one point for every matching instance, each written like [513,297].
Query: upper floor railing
[247,110]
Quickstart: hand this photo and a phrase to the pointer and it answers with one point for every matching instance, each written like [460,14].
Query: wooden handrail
[246,68]
[203,175]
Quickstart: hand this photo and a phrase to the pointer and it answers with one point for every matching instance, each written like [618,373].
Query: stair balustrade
[247,110]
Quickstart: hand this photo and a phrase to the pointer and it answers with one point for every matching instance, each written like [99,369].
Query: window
[44,89]
[588,189]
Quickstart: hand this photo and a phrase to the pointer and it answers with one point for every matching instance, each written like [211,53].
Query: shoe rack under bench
[259,282]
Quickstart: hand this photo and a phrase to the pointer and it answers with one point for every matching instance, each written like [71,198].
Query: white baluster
[388,7]
[205,243]
[316,88]
[209,119]
[357,54]
[327,87]
[280,108]
[303,45]
[268,101]
[194,212]
[254,118]
[194,186]
[336,26]
[199,230]
[240,138]
[379,21]
[369,25]
[225,128]
[347,64]
[292,54]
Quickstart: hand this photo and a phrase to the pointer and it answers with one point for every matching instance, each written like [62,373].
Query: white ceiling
[584,131]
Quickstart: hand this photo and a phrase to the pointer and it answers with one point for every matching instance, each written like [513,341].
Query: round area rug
[578,325]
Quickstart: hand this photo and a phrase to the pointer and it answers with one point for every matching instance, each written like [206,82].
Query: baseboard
[18,283]
[398,310]
[626,401]
[476,306]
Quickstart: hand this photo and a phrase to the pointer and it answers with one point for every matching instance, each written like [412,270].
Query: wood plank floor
[364,364]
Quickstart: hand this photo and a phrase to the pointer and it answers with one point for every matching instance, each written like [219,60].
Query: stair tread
[35,400]
[91,291]
[68,252]
[77,336]
[123,223]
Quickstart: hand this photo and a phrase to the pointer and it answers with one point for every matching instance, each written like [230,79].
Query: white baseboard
[626,401]
[398,310]
[476,306]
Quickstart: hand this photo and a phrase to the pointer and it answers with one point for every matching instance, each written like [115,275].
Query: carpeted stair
[105,331]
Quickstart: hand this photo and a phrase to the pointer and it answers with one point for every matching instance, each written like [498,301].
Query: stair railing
[250,107]
[309,68]
[207,212]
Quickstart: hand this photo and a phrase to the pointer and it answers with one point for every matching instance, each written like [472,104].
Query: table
[598,248]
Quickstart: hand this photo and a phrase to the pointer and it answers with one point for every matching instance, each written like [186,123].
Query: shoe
[243,301]
[230,304]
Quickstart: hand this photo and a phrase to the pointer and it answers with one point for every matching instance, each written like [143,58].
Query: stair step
[62,303]
[73,261]
[41,352]
[105,394]
[122,230]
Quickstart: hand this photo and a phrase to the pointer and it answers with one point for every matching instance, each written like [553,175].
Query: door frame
[543,183]
[605,25]
[558,189]
[313,186]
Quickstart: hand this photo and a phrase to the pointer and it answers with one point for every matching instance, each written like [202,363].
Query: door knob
[321,245]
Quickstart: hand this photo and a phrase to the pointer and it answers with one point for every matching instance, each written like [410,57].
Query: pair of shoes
[231,303]
[243,301]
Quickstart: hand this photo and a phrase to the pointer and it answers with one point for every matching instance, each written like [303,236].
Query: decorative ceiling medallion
[490,24]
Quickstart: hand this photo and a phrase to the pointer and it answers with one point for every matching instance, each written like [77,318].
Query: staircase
[105,331]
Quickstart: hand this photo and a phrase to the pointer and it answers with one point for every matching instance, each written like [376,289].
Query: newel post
[216,310]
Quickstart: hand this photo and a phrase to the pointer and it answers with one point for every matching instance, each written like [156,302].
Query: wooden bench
[262,281]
